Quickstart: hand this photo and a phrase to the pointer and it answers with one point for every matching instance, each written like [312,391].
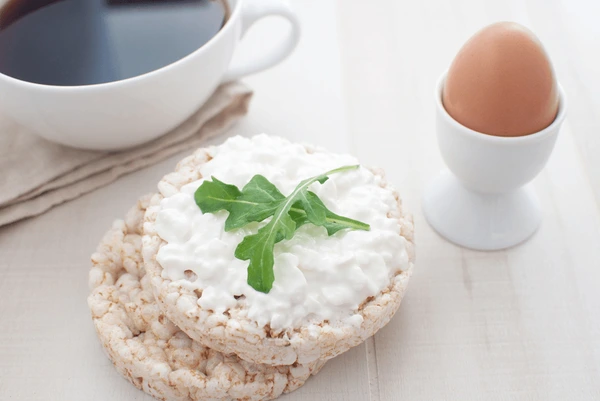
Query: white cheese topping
[317,277]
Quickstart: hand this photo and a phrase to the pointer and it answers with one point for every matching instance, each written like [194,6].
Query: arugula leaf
[333,222]
[316,212]
[258,248]
[215,195]
[260,199]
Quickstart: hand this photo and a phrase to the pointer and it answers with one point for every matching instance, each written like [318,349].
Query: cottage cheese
[317,277]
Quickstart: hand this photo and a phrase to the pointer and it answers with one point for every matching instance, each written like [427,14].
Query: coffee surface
[84,42]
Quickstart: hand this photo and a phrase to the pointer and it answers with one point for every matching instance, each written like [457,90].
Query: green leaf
[261,190]
[298,215]
[336,223]
[215,195]
[332,222]
[260,199]
[258,248]
[313,207]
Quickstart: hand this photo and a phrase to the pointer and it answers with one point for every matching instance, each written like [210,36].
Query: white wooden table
[521,324]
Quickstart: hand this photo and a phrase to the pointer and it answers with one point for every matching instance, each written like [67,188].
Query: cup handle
[252,11]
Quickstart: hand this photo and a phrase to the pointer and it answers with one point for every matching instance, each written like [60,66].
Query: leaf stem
[341,169]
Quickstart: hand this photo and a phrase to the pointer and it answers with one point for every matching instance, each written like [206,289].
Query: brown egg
[502,83]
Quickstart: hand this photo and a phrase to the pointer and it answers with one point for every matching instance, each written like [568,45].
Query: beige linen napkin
[36,175]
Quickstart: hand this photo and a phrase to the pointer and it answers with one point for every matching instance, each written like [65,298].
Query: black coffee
[83,42]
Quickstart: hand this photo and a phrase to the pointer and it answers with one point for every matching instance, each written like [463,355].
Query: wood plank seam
[372,369]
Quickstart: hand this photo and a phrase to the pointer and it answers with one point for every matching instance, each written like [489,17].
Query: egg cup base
[479,221]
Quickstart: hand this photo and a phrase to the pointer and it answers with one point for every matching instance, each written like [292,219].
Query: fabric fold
[37,175]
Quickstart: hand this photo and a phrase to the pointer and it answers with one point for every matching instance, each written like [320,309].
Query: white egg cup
[483,202]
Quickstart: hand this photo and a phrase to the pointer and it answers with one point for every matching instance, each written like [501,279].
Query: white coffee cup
[132,111]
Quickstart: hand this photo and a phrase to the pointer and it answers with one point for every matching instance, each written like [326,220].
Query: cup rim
[506,140]
[106,85]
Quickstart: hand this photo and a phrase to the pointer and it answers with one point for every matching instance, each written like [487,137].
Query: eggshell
[502,82]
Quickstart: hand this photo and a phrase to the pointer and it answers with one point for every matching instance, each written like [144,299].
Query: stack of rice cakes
[196,353]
